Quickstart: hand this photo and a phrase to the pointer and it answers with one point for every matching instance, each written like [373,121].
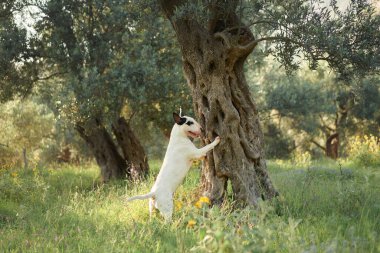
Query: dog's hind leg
[167,212]
[165,205]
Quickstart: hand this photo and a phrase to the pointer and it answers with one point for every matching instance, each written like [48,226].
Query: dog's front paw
[217,140]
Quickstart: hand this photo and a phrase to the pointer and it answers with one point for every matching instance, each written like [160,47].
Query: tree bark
[213,61]
[332,146]
[133,151]
[112,164]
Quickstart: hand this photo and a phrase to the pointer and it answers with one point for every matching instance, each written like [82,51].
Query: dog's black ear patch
[178,119]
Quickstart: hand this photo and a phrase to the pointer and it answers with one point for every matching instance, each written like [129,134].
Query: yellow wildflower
[202,200]
[191,223]
[14,174]
[178,205]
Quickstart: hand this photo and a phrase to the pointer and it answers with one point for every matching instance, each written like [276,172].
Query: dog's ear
[178,119]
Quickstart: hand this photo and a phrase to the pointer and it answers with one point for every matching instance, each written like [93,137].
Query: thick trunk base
[112,165]
[133,151]
[131,163]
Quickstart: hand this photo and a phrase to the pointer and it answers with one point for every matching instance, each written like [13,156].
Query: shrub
[364,150]
[300,158]
[8,158]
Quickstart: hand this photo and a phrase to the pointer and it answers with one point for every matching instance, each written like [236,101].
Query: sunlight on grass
[326,206]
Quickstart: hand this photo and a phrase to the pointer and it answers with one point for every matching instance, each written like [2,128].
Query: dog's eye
[189,123]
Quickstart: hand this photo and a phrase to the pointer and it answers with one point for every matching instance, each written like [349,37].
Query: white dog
[177,162]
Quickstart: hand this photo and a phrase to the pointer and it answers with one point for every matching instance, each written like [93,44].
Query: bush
[300,158]
[8,158]
[364,150]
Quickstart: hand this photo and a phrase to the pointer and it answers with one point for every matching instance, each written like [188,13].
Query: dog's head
[188,125]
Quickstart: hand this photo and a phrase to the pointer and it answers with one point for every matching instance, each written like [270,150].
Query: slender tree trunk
[111,163]
[25,158]
[213,65]
[133,151]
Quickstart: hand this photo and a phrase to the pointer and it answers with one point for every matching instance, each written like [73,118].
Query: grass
[323,207]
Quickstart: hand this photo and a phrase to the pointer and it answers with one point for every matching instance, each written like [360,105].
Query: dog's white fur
[177,162]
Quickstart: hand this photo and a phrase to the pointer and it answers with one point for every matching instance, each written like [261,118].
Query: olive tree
[112,63]
[217,36]
[85,47]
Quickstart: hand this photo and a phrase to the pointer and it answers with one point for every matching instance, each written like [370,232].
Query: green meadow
[325,206]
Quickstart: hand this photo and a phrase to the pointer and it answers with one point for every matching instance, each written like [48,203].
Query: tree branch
[250,24]
[250,46]
[317,144]
[325,125]
[49,76]
[223,36]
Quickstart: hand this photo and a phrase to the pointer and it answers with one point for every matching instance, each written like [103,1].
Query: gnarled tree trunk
[112,164]
[213,60]
[131,164]
[133,151]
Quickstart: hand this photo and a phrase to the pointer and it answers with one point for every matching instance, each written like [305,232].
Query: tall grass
[325,207]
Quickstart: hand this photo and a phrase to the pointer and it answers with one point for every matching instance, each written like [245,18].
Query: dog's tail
[148,195]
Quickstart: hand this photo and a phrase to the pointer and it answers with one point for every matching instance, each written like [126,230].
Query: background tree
[18,70]
[216,37]
[317,109]
[110,65]
[81,45]
[26,127]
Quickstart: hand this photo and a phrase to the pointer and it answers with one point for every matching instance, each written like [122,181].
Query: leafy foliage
[364,150]
[110,57]
[277,144]
[347,39]
[24,125]
[83,45]
[367,102]
[18,71]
